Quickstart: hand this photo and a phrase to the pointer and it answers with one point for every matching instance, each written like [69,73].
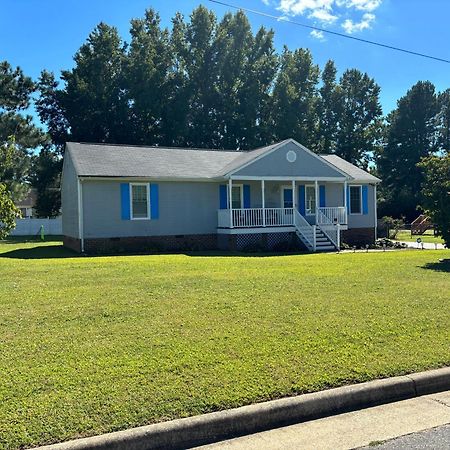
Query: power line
[323,30]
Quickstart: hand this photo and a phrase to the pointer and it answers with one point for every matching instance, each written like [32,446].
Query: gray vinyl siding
[276,164]
[69,198]
[364,220]
[184,208]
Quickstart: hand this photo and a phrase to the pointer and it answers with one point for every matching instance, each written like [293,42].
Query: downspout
[80,215]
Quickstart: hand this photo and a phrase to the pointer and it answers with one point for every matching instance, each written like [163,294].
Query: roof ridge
[161,147]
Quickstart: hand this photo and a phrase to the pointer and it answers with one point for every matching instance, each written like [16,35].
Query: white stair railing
[335,214]
[329,229]
[306,231]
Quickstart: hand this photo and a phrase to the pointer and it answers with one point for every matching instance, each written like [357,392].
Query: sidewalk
[426,245]
[351,430]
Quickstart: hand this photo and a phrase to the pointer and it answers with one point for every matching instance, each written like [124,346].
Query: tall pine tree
[410,136]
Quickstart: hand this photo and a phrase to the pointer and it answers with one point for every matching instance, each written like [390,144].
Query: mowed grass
[92,345]
[428,236]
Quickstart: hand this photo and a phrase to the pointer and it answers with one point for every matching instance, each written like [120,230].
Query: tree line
[212,83]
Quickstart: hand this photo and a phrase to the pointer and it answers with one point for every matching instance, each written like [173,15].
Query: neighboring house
[26,205]
[126,198]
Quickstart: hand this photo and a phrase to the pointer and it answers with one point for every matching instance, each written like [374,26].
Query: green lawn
[428,236]
[91,345]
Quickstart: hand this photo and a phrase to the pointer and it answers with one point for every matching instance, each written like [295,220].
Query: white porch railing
[332,215]
[255,217]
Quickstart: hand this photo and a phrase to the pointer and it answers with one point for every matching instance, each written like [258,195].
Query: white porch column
[293,201]
[263,199]
[230,202]
[375,206]
[316,185]
[345,201]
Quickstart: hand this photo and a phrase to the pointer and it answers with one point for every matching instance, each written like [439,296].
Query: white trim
[141,179]
[287,178]
[80,216]
[147,185]
[280,229]
[360,197]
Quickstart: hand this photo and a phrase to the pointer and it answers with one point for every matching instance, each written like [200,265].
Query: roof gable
[289,159]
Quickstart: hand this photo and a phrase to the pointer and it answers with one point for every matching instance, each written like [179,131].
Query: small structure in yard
[421,224]
[118,198]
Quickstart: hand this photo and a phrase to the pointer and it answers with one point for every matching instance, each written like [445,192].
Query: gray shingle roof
[106,160]
[103,160]
[350,169]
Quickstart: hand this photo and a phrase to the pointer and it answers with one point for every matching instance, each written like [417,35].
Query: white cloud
[352,27]
[362,5]
[323,16]
[299,7]
[318,35]
[327,12]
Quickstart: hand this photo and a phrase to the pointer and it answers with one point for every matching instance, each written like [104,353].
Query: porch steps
[323,244]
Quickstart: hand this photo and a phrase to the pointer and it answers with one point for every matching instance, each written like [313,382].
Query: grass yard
[428,236]
[91,345]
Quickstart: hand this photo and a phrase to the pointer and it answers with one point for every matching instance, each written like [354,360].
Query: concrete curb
[217,426]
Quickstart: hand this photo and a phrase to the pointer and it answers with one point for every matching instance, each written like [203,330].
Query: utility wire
[323,30]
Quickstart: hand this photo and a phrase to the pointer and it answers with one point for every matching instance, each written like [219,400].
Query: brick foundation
[272,242]
[358,236]
[144,244]
[72,243]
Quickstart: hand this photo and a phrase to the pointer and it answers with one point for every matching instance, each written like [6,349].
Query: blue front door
[287,198]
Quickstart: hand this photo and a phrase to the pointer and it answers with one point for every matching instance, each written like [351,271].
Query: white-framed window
[310,199]
[237,196]
[355,199]
[287,199]
[140,201]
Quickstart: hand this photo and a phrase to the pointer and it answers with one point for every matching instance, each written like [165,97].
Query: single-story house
[118,198]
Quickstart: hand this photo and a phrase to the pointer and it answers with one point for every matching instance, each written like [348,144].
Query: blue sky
[38,34]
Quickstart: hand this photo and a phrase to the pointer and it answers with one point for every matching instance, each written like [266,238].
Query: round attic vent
[291,156]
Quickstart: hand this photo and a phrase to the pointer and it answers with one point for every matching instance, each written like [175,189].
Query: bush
[393,226]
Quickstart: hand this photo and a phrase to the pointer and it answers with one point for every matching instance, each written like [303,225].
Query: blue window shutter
[348,199]
[322,196]
[154,201]
[301,200]
[223,196]
[125,200]
[246,196]
[365,200]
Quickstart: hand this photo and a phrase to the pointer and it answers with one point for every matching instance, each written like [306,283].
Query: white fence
[32,227]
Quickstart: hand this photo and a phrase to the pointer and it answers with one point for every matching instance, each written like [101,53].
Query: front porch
[315,209]
[250,202]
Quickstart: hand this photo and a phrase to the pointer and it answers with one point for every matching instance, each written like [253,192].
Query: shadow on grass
[441,266]
[40,252]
